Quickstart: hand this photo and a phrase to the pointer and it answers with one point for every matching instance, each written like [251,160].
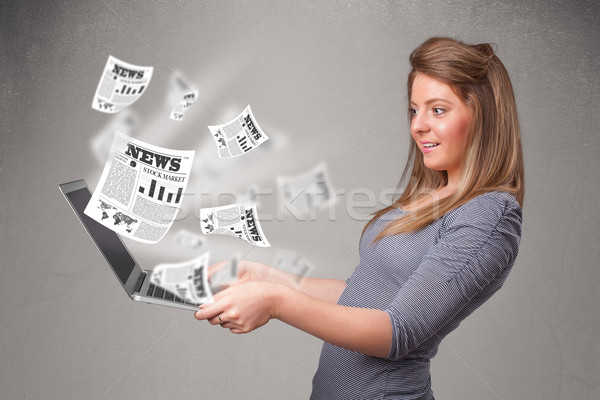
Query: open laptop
[135,281]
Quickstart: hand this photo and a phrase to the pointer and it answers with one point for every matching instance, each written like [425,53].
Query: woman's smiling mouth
[427,147]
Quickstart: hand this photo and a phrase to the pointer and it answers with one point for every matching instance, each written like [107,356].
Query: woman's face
[439,124]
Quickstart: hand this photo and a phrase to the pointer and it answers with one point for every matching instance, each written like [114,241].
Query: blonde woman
[427,261]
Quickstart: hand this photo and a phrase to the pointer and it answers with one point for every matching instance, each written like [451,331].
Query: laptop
[134,280]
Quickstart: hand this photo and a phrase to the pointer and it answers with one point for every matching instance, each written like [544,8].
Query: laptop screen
[108,241]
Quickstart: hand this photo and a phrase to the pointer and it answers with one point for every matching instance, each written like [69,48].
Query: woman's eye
[412,111]
[438,110]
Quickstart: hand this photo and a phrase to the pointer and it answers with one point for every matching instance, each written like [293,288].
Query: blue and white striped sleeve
[479,242]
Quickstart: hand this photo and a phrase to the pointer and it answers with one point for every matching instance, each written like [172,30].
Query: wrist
[279,300]
[276,276]
[270,274]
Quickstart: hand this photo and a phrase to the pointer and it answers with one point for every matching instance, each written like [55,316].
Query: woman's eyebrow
[433,100]
[437,100]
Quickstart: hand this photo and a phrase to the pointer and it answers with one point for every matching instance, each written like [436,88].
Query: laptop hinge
[139,282]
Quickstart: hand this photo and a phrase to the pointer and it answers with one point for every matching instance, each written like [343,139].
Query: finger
[208,311]
[222,320]
[220,295]
[215,267]
[229,284]
[217,289]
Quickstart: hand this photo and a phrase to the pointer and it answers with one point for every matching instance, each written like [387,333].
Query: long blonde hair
[493,157]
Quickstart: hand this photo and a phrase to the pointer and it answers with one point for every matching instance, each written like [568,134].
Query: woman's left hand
[242,307]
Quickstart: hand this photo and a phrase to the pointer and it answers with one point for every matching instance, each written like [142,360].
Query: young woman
[427,261]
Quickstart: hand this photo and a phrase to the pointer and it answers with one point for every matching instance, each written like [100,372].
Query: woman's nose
[419,124]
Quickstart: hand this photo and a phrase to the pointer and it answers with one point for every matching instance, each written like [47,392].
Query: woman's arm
[363,330]
[246,306]
[328,290]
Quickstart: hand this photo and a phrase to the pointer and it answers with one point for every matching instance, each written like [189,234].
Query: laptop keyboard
[161,293]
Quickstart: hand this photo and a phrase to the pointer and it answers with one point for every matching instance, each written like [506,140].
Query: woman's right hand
[328,290]
[254,271]
[246,271]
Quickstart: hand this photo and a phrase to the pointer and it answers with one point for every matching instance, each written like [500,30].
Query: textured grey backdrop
[326,80]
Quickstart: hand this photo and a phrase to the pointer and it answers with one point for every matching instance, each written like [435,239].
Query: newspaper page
[140,189]
[121,84]
[189,239]
[183,106]
[308,192]
[292,262]
[239,220]
[224,275]
[239,135]
[188,280]
[176,88]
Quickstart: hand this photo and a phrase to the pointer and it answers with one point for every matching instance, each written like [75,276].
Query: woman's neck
[432,197]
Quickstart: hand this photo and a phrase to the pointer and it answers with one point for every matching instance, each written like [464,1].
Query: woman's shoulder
[488,225]
[487,208]
[494,199]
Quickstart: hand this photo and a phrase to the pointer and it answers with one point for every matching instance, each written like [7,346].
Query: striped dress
[428,282]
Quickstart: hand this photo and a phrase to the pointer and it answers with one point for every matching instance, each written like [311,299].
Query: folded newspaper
[189,239]
[188,280]
[224,275]
[238,220]
[141,189]
[308,192]
[183,105]
[239,135]
[177,86]
[121,84]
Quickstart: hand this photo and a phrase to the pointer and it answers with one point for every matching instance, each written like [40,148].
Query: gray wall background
[326,80]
